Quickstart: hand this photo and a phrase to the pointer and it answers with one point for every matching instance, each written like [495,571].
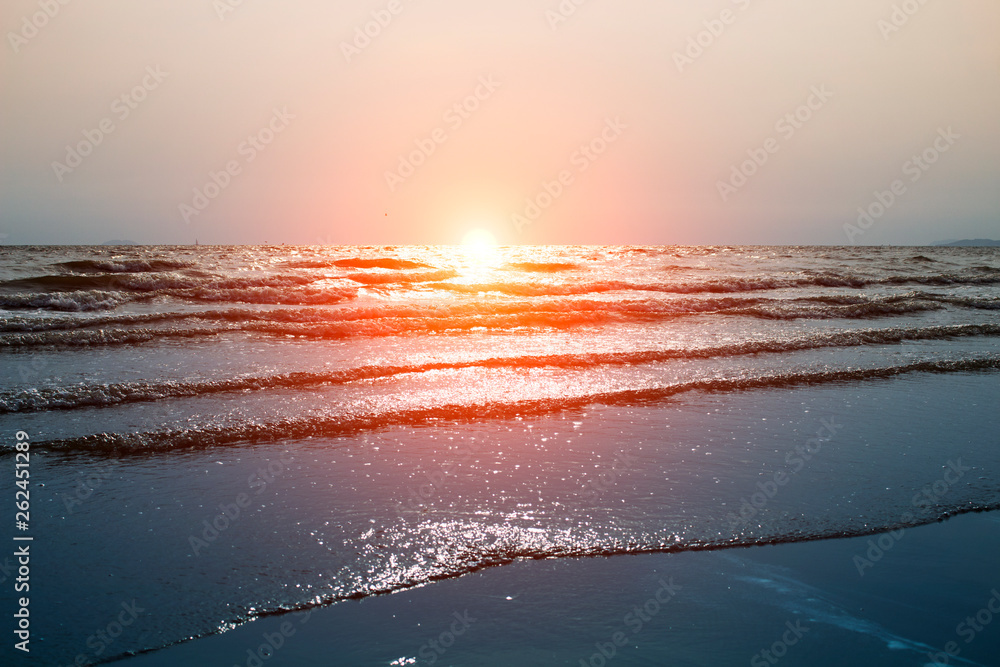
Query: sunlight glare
[479,240]
[479,248]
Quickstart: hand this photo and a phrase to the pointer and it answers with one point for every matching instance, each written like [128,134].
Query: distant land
[983,242]
[120,242]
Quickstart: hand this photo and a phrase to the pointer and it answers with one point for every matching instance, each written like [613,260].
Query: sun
[479,249]
[479,240]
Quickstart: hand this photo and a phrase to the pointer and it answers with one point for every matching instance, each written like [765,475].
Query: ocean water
[223,433]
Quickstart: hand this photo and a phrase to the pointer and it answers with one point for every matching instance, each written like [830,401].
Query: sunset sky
[539,121]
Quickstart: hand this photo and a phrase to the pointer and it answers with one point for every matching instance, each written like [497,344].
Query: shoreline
[798,599]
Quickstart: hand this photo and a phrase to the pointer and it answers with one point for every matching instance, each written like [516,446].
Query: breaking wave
[296,428]
[101,395]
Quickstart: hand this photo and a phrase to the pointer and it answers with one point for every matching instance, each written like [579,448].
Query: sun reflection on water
[480,256]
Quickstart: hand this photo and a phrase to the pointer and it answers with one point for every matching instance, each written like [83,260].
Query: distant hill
[964,242]
[121,242]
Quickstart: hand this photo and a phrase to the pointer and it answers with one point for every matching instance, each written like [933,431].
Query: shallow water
[721,607]
[358,420]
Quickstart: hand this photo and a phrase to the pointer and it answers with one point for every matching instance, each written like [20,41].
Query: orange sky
[618,122]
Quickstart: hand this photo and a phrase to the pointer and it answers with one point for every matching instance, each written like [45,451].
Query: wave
[91,291]
[542,267]
[412,313]
[140,282]
[899,303]
[266,295]
[516,543]
[379,263]
[397,320]
[349,323]
[402,278]
[859,311]
[681,267]
[723,285]
[122,265]
[356,263]
[103,395]
[980,303]
[101,338]
[255,432]
[522,549]
[944,279]
[104,300]
[80,301]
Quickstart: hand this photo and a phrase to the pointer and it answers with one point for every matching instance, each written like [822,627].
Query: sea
[220,434]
